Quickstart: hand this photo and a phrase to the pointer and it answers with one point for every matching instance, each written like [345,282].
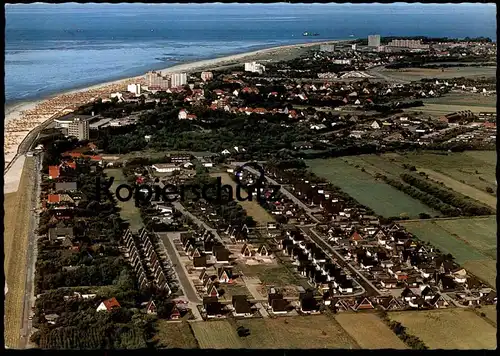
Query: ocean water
[52,48]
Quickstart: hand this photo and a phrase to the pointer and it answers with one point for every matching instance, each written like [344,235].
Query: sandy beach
[21,118]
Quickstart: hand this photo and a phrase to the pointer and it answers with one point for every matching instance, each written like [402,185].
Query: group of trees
[427,199]
[466,206]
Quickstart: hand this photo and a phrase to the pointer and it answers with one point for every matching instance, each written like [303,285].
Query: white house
[165,167]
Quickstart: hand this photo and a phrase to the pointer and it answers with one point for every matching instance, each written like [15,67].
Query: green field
[472,241]
[468,173]
[128,211]
[377,195]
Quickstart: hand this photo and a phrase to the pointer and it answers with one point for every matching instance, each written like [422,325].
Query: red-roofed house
[53,199]
[191,117]
[54,172]
[490,125]
[109,305]
[356,236]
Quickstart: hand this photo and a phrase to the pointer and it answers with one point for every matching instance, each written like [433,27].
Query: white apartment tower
[134,88]
[373,40]
[178,79]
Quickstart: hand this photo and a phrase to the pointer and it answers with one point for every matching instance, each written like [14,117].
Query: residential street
[365,283]
[182,274]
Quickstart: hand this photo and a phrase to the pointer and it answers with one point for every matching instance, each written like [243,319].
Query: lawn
[454,328]
[128,211]
[369,331]
[276,275]
[175,335]
[17,214]
[216,334]
[472,241]
[377,195]
[469,99]
[301,332]
[253,208]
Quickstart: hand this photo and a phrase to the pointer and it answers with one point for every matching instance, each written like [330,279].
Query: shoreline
[23,117]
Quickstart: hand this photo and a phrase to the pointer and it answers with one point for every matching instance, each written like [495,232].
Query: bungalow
[224,275]
[54,172]
[389,283]
[212,306]
[279,306]
[200,262]
[247,251]
[108,305]
[363,304]
[308,304]
[59,233]
[408,295]
[438,302]
[66,187]
[388,303]
[242,307]
[151,308]
[221,254]
[263,251]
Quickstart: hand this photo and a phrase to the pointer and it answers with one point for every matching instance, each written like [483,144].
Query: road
[28,141]
[363,281]
[376,72]
[285,192]
[182,274]
[29,297]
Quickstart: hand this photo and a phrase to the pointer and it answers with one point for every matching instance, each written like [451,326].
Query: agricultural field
[375,194]
[17,206]
[468,173]
[301,332]
[467,190]
[455,328]
[217,334]
[472,241]
[175,335]
[490,311]
[369,331]
[415,74]
[253,209]
[128,211]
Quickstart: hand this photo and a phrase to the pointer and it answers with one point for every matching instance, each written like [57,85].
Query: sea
[52,48]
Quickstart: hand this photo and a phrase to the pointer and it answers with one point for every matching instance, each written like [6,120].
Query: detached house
[109,305]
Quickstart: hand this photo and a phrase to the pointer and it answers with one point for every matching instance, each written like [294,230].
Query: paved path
[29,298]
[297,201]
[365,283]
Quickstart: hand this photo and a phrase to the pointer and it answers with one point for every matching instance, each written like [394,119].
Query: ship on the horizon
[310,34]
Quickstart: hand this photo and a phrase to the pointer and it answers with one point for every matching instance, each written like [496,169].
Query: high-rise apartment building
[413,44]
[156,80]
[178,79]
[79,128]
[373,40]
